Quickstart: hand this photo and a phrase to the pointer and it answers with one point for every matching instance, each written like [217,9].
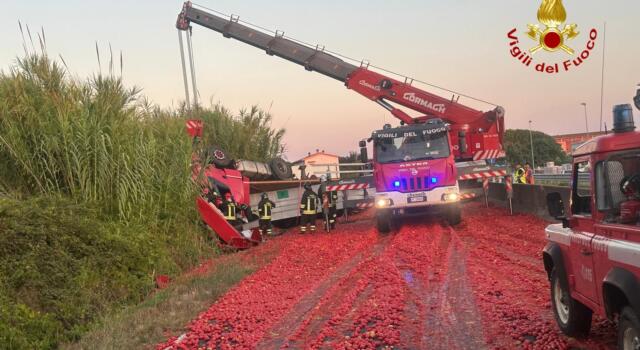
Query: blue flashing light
[434,180]
[396,183]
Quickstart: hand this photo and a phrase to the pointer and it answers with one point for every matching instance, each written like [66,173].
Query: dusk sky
[461,45]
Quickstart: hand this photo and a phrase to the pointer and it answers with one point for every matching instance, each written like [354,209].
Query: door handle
[586,252]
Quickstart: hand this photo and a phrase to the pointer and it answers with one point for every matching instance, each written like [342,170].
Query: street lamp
[586,123]
[533,159]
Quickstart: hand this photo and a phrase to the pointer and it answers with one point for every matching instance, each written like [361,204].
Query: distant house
[317,164]
[570,142]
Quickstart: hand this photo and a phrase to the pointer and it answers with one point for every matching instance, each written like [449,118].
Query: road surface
[480,285]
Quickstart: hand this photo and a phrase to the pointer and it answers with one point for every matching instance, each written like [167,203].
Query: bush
[61,266]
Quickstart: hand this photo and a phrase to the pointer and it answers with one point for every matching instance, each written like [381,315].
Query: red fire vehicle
[593,257]
[419,165]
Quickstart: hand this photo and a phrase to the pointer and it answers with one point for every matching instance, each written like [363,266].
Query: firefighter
[520,176]
[213,197]
[528,174]
[331,203]
[264,212]
[229,210]
[308,206]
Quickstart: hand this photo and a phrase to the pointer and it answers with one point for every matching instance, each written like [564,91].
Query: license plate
[417,199]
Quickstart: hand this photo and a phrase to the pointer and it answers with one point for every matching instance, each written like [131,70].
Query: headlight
[383,203]
[450,197]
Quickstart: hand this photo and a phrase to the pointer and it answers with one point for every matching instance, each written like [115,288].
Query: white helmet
[323,178]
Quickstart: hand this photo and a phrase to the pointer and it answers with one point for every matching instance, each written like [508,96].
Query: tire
[280,169]
[454,215]
[218,157]
[573,318]
[383,222]
[628,330]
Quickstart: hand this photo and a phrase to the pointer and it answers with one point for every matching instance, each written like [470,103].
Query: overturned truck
[246,181]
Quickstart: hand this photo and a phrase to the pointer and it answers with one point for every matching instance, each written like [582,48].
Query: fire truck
[593,257]
[429,162]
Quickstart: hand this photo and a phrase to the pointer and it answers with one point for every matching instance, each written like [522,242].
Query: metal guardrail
[584,180]
[565,177]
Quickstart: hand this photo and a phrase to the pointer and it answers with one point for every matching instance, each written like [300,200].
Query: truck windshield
[393,147]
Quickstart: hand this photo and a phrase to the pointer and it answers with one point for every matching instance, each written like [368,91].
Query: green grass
[165,312]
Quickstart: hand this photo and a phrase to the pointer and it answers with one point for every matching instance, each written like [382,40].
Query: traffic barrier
[467,196]
[362,186]
[484,174]
[527,198]
[364,205]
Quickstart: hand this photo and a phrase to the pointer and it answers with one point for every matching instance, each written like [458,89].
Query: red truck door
[582,224]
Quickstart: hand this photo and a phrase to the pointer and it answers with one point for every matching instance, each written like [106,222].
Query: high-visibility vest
[309,202]
[520,176]
[230,211]
[264,209]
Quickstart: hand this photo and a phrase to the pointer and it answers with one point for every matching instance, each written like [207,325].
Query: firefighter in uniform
[213,197]
[520,176]
[308,206]
[264,212]
[229,210]
[332,202]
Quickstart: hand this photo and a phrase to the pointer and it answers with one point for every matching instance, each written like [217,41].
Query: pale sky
[461,45]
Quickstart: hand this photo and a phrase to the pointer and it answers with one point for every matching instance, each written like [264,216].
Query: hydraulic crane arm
[278,45]
[373,85]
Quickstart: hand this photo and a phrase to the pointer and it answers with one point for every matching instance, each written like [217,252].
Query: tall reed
[91,141]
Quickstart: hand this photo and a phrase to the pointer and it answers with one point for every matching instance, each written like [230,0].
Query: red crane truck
[593,257]
[423,163]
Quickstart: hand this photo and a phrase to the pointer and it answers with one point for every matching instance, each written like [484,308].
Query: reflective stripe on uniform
[231,212]
[267,212]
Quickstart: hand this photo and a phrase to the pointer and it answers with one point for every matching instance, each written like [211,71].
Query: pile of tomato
[356,289]
[240,318]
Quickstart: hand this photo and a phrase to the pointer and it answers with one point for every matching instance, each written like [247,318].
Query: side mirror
[556,207]
[636,99]
[462,141]
[362,143]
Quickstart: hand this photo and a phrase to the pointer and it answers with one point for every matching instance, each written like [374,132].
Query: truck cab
[593,257]
[414,170]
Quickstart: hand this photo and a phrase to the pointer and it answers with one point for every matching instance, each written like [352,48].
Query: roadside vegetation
[96,198]
[517,142]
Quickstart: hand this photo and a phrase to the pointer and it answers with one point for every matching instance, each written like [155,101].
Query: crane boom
[278,45]
[371,84]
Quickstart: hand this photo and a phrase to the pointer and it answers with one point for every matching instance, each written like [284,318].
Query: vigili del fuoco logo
[555,36]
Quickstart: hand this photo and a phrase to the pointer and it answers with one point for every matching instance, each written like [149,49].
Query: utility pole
[533,159]
[586,120]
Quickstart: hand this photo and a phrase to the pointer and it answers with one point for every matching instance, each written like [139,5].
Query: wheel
[280,169]
[218,157]
[383,222]
[454,215]
[628,330]
[573,318]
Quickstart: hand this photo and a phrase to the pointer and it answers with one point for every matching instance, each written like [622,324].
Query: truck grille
[414,183]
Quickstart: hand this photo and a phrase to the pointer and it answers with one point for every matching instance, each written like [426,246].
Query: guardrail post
[485,188]
[345,197]
[509,188]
